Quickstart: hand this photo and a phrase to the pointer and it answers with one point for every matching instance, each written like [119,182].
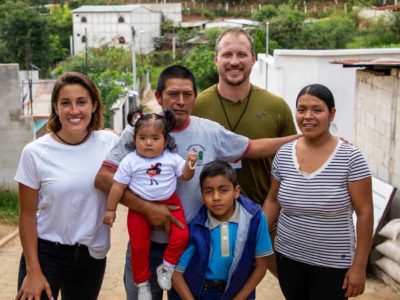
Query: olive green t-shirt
[260,115]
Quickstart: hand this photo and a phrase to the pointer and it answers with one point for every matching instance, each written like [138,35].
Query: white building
[112,25]
[232,23]
[288,71]
[170,11]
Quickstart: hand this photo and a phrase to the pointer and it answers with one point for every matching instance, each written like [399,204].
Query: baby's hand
[109,217]
[191,159]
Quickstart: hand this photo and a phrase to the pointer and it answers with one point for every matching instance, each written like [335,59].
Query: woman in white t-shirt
[63,238]
[317,183]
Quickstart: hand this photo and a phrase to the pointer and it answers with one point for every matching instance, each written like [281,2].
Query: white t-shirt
[70,208]
[152,179]
[210,140]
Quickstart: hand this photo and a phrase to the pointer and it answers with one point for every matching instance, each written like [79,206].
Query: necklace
[233,128]
[72,144]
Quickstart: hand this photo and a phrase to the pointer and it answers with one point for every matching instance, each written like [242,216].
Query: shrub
[9,206]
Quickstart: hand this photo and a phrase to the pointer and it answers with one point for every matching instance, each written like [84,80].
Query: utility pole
[174,46]
[29,77]
[86,53]
[133,59]
[267,38]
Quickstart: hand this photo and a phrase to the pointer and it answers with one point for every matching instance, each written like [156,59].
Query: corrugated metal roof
[245,22]
[106,8]
[382,62]
[41,97]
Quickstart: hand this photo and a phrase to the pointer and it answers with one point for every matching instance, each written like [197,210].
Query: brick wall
[377,127]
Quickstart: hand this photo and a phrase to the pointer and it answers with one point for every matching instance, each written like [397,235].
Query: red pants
[140,233]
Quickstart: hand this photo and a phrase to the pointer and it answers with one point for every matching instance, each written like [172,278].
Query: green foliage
[27,36]
[259,40]
[206,13]
[154,73]
[286,28]
[167,26]
[184,34]
[9,206]
[200,61]
[318,14]
[24,33]
[221,12]
[211,35]
[265,13]
[110,69]
[395,26]
[60,22]
[111,84]
[160,58]
[379,34]
[332,33]
[113,58]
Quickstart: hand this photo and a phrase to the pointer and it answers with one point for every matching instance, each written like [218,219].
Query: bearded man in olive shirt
[245,109]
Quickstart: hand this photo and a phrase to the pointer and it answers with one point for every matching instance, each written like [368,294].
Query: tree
[111,70]
[265,13]
[259,41]
[201,61]
[111,85]
[332,33]
[395,27]
[211,35]
[60,21]
[285,29]
[25,36]
[380,34]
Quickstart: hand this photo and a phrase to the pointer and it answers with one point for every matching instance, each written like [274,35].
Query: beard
[236,81]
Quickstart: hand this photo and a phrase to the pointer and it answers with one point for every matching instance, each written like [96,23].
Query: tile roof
[383,62]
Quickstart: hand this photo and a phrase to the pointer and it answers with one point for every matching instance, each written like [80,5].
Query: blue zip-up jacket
[244,252]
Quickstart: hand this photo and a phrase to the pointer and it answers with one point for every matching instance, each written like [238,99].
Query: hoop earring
[333,128]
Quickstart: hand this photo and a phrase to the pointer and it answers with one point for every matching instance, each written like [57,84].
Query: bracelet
[190,165]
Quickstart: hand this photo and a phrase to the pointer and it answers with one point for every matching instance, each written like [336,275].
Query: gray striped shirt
[315,224]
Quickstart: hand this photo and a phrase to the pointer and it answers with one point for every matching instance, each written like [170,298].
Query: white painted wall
[377,130]
[103,28]
[288,71]
[15,130]
[171,11]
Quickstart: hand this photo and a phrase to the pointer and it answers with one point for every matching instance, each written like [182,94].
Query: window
[121,40]
[83,39]
[83,20]
[121,20]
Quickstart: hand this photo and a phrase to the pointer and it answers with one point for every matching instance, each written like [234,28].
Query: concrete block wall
[377,127]
[15,130]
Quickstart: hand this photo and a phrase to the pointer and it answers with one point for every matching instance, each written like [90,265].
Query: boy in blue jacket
[229,241]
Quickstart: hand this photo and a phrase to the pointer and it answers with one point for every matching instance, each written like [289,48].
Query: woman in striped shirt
[318,181]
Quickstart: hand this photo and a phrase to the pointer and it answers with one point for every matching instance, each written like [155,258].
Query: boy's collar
[213,222]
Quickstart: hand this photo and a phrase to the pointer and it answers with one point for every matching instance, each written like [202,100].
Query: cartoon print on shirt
[153,171]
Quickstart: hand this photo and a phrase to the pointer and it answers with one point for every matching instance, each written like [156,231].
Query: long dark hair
[166,121]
